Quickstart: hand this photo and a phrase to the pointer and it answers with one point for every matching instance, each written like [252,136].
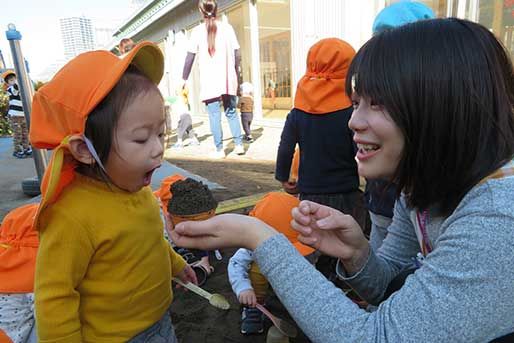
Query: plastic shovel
[216,300]
[286,328]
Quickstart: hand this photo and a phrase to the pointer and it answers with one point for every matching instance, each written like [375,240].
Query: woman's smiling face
[379,140]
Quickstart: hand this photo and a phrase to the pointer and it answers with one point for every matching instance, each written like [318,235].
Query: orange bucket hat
[322,89]
[60,108]
[18,250]
[275,210]
[7,73]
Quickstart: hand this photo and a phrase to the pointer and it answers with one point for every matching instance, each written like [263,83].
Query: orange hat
[60,108]
[18,250]
[4,338]
[7,73]
[275,210]
[322,89]
[164,191]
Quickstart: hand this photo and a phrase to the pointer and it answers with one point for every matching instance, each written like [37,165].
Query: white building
[103,36]
[275,36]
[77,36]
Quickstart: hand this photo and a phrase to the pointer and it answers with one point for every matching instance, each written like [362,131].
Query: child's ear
[79,150]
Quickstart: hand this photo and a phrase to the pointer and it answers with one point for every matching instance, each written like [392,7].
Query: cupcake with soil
[191,200]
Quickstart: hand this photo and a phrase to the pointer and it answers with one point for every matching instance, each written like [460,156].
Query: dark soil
[190,197]
[196,321]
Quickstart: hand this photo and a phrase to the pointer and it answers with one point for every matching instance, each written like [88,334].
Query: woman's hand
[222,231]
[187,275]
[332,232]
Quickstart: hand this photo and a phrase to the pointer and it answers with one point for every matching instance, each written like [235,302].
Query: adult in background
[216,45]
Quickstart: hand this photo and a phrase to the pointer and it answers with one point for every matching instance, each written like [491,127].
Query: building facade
[275,36]
[77,36]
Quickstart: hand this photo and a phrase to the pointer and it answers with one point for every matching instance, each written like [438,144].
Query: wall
[312,20]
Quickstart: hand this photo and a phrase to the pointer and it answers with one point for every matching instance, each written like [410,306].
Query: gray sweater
[464,291]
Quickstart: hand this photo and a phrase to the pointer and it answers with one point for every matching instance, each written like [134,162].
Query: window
[275,56]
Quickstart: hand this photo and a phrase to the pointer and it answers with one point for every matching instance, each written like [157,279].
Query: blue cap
[401,13]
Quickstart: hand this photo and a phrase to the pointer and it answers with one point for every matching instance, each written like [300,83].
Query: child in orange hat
[18,250]
[104,269]
[318,123]
[244,275]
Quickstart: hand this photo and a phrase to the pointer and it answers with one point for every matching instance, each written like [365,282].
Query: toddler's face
[138,143]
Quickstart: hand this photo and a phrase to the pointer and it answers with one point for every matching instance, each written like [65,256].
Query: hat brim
[7,73]
[146,56]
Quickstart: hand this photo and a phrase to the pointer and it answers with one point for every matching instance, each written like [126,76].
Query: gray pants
[185,127]
[160,332]
[246,121]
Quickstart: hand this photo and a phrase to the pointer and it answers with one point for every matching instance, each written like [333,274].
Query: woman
[433,113]
[216,44]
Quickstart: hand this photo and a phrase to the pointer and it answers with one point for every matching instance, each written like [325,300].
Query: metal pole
[26,92]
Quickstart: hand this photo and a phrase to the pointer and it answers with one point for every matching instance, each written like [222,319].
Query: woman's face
[379,140]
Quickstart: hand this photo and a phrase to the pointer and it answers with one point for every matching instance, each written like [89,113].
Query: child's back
[319,124]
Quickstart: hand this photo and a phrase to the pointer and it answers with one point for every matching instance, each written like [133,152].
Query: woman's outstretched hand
[222,231]
[332,232]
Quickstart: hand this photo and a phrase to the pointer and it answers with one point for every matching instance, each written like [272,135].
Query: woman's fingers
[300,216]
[197,228]
[337,220]
[309,240]
[222,231]
[197,242]
[301,229]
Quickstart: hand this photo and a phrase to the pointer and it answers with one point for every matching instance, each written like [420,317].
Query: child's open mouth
[148,176]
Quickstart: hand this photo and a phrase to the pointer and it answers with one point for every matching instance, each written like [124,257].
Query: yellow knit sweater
[103,271]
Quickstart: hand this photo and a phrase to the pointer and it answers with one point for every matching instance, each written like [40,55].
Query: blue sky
[38,22]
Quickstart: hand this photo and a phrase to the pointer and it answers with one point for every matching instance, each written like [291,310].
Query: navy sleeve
[286,148]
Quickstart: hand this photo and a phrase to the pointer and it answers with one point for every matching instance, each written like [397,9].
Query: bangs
[448,85]
[369,74]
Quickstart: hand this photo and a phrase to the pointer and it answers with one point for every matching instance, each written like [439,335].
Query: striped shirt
[15,104]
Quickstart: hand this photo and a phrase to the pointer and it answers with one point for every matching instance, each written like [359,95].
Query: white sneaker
[217,154]
[239,149]
[195,141]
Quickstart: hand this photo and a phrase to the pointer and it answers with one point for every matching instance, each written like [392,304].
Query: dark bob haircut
[448,85]
[102,121]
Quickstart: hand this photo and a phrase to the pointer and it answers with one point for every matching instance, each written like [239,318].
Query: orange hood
[322,89]
[18,250]
[275,210]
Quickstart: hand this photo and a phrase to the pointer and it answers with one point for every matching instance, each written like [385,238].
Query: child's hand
[248,298]
[290,187]
[187,275]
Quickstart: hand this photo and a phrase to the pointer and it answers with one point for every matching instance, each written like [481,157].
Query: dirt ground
[195,320]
